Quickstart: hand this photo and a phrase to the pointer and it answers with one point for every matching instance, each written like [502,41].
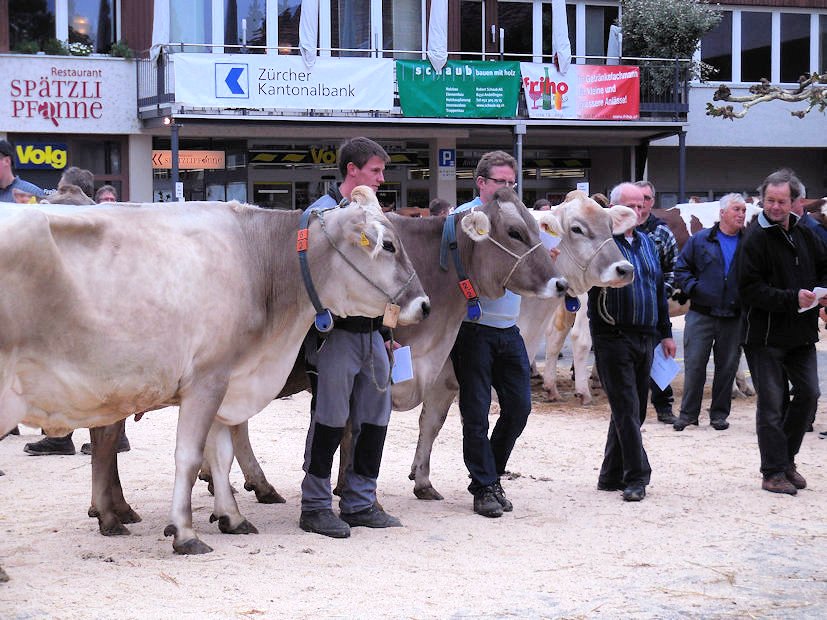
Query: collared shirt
[6,194]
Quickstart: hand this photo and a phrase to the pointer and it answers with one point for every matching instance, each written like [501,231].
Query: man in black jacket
[779,265]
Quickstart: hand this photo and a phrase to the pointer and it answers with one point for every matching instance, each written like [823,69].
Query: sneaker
[324,522]
[778,483]
[51,445]
[501,498]
[719,425]
[666,416]
[486,503]
[793,476]
[681,423]
[123,446]
[373,516]
[634,493]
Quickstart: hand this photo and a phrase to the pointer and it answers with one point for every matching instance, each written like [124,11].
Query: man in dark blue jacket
[706,274]
[779,265]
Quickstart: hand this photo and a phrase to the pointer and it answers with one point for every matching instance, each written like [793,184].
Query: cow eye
[577,230]
[515,234]
[388,247]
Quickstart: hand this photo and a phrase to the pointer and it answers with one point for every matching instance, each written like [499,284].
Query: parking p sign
[447,163]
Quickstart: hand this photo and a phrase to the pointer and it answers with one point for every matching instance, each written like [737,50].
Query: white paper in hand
[549,241]
[402,365]
[820,292]
[664,368]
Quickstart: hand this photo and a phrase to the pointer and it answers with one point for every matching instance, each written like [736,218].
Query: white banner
[283,82]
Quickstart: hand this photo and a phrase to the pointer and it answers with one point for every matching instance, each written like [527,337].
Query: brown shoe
[778,483]
[793,476]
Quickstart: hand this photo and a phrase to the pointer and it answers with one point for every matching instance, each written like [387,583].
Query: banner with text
[584,92]
[463,89]
[283,82]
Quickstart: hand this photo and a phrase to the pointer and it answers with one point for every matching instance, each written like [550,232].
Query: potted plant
[80,49]
[55,47]
[121,50]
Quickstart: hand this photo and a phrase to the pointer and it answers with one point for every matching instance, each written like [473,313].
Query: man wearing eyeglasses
[491,353]
[667,247]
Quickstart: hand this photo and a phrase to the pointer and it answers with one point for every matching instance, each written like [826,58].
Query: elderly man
[779,264]
[705,273]
[626,324]
[667,248]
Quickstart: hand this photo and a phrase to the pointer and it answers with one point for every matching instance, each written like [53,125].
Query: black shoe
[370,517]
[486,504]
[823,433]
[666,417]
[610,486]
[634,493]
[51,445]
[323,522]
[123,446]
[682,423]
[719,425]
[501,498]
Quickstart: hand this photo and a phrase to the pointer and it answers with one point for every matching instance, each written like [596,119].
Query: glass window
[402,27]
[253,11]
[571,22]
[289,14]
[190,21]
[31,21]
[756,46]
[471,30]
[716,48]
[515,19]
[350,26]
[795,46]
[598,21]
[822,43]
[92,22]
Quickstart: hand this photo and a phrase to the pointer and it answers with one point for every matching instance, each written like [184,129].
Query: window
[795,46]
[190,21]
[822,42]
[756,46]
[402,27]
[471,30]
[515,19]
[235,14]
[598,21]
[92,22]
[716,48]
[350,26]
[289,14]
[31,21]
[571,22]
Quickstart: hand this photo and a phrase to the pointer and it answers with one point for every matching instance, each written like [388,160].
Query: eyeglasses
[503,182]
[645,197]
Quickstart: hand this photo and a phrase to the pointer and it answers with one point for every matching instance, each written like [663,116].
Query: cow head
[506,236]
[365,265]
[588,254]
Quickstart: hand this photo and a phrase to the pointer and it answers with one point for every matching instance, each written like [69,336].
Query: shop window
[756,45]
[273,195]
[571,23]
[795,46]
[350,27]
[289,15]
[31,21]
[92,22]
[402,27]
[251,12]
[716,48]
[598,21]
[190,21]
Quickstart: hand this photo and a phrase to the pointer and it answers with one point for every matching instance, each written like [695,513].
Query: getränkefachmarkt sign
[463,89]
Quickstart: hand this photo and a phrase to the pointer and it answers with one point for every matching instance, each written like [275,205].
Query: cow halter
[324,318]
[449,242]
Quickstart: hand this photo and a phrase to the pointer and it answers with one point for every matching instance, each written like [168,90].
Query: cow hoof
[191,547]
[245,527]
[3,576]
[204,476]
[266,495]
[428,492]
[93,512]
[170,530]
[128,516]
[585,400]
[116,529]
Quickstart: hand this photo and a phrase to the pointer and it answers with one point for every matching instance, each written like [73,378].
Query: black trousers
[624,361]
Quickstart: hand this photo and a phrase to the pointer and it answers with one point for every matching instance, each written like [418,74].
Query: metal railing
[664,82]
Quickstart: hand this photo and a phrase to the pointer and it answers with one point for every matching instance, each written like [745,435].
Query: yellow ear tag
[33,200]
[549,231]
[481,231]
[363,240]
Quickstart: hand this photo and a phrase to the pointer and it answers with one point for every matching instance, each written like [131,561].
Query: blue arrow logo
[232,80]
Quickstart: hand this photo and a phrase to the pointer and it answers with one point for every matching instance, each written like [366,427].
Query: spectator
[8,180]
[84,179]
[705,273]
[106,193]
[601,200]
[542,204]
[779,264]
[625,324]
[439,207]
[667,247]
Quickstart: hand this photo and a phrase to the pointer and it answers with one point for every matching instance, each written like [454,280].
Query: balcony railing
[664,84]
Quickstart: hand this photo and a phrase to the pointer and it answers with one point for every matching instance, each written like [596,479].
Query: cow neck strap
[324,318]
[583,267]
[519,257]
[449,243]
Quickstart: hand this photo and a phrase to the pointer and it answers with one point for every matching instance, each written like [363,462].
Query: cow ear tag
[363,240]
[324,321]
[474,310]
[391,315]
[572,303]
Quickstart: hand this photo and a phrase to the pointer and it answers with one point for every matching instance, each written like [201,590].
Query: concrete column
[442,188]
[140,168]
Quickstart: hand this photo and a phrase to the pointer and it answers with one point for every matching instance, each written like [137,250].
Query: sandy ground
[707,542]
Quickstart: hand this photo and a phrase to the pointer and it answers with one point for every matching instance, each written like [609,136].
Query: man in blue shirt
[8,181]
[491,353]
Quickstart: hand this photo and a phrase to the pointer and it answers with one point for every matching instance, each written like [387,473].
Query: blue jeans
[484,357]
[624,361]
[780,423]
[721,336]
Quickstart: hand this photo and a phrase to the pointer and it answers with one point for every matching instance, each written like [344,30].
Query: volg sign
[39,156]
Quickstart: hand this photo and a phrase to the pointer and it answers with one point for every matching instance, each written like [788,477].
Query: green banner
[463,89]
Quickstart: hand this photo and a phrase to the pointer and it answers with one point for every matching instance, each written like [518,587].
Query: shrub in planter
[27,47]
[54,47]
[121,50]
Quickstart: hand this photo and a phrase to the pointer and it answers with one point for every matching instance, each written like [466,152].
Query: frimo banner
[584,92]
[269,81]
